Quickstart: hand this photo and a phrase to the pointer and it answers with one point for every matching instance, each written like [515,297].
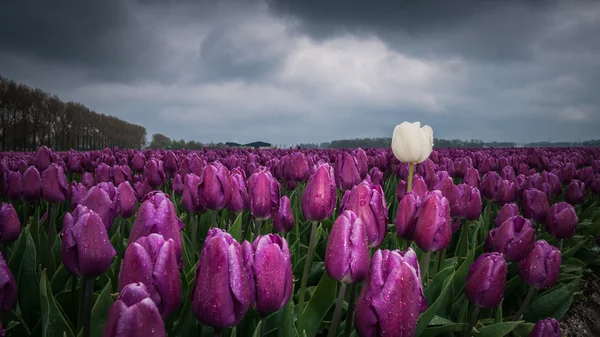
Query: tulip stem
[335,320]
[262,326]
[257,224]
[525,305]
[194,225]
[411,168]
[25,214]
[307,263]
[213,218]
[217,332]
[560,244]
[425,267]
[87,305]
[472,321]
[350,311]
[51,232]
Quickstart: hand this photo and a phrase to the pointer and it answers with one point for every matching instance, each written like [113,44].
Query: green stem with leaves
[51,238]
[87,305]
[213,218]
[257,224]
[194,225]
[530,293]
[424,263]
[307,263]
[472,322]
[350,313]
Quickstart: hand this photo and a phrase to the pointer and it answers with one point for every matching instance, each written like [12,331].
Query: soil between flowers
[583,317]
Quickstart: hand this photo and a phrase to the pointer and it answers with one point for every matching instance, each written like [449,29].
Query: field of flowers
[405,241]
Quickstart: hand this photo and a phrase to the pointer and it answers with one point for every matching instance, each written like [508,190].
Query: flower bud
[401,189]
[541,266]
[10,226]
[298,168]
[407,215]
[535,205]
[320,195]
[54,184]
[507,211]
[214,190]
[8,290]
[433,230]
[239,192]
[486,280]
[283,221]
[190,198]
[177,184]
[87,179]
[155,173]
[469,202]
[263,194]
[548,327]
[491,185]
[101,202]
[361,159]
[12,185]
[412,143]
[152,260]
[346,171]
[86,248]
[269,266]
[561,221]
[157,215]
[121,173]
[221,294]
[393,277]
[134,314]
[43,158]
[419,186]
[376,177]
[575,192]
[32,184]
[347,255]
[368,202]
[515,238]
[126,200]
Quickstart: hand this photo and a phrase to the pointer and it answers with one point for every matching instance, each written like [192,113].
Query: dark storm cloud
[288,71]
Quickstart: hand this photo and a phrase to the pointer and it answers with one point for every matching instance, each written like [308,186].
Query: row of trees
[30,117]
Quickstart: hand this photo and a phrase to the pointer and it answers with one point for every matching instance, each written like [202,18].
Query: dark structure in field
[256,145]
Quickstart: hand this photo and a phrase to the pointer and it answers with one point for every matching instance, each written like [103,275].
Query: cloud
[311,71]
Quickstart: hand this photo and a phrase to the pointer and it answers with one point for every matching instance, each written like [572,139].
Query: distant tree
[160,141]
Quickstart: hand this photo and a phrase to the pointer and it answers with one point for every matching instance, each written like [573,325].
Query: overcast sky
[312,70]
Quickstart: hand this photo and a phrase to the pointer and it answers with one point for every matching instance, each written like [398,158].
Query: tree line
[30,117]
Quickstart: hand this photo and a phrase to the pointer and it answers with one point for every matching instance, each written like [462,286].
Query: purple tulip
[298,169]
[535,205]
[320,195]
[171,164]
[361,159]
[561,221]
[491,185]
[12,185]
[190,198]
[8,288]
[376,177]
[433,230]
[450,192]
[239,192]
[126,200]
[87,180]
[121,174]
[548,327]
[407,215]
[507,211]
[177,184]
[575,192]
[10,226]
[515,238]
[401,190]
[283,221]
[347,174]
[43,158]
[269,267]
[31,184]
[215,186]
[469,202]
[419,186]
[263,194]
[102,199]
[486,280]
[221,295]
[54,184]
[138,162]
[472,177]
[152,260]
[368,202]
[134,314]
[541,267]
[102,174]
[347,255]
[394,277]
[157,215]
[155,173]
[86,248]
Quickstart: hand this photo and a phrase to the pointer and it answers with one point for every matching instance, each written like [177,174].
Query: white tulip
[412,143]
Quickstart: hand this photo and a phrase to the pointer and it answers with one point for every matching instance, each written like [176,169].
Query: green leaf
[523,330]
[236,228]
[435,287]
[428,315]
[498,329]
[572,265]
[460,278]
[100,311]
[319,304]
[573,249]
[438,330]
[60,279]
[53,323]
[553,303]
[19,249]
[286,317]
[28,283]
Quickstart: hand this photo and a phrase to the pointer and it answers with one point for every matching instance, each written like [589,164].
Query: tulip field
[296,242]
